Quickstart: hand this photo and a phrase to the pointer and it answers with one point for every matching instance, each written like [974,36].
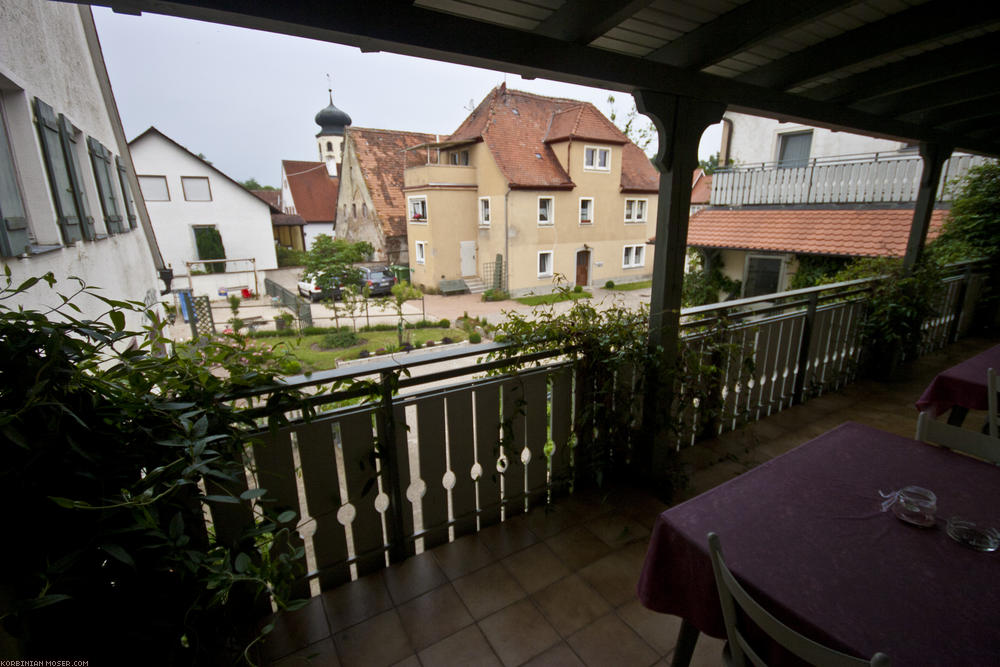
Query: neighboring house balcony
[431,175]
[873,178]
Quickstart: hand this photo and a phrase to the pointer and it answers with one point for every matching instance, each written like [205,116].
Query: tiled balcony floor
[558,587]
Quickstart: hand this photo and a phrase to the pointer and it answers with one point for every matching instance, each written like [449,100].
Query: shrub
[379,327]
[474,337]
[446,341]
[429,343]
[273,333]
[313,331]
[289,256]
[405,347]
[445,323]
[364,354]
[341,339]
[495,295]
[578,288]
[609,285]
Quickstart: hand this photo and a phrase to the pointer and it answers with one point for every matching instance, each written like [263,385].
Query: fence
[300,307]
[495,274]
[869,178]
[418,464]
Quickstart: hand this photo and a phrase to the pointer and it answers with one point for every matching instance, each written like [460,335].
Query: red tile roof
[701,187]
[517,127]
[272,197]
[857,232]
[314,191]
[286,220]
[382,158]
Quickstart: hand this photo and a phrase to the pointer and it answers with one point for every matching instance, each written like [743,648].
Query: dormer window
[418,209]
[459,158]
[596,159]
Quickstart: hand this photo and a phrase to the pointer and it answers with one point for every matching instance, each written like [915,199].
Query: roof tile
[314,191]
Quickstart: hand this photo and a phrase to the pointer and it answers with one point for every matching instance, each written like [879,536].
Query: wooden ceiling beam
[739,29]
[935,94]
[583,21]
[932,21]
[935,118]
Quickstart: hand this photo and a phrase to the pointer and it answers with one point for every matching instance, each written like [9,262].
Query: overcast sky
[246,99]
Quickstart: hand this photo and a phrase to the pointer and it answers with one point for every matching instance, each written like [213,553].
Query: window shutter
[68,139]
[14,238]
[100,160]
[55,166]
[126,193]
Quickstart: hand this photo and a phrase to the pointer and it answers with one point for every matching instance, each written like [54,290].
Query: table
[960,388]
[806,536]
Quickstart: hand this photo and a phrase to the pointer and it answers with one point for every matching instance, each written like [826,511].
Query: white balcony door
[468,255]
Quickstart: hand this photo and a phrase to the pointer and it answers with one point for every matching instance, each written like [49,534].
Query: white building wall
[313,229]
[755,139]
[243,220]
[44,53]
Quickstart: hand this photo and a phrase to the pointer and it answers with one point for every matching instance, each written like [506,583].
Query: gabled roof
[152,131]
[518,128]
[271,197]
[382,157]
[701,187]
[865,232]
[314,191]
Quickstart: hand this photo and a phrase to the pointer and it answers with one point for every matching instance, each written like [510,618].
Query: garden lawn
[642,284]
[555,297]
[314,358]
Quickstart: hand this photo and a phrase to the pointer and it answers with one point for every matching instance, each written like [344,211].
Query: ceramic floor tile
[355,601]
[569,604]
[296,629]
[413,577]
[577,547]
[505,538]
[546,521]
[467,648]
[462,556]
[321,654]
[560,655]
[612,577]
[608,641]
[518,633]
[616,530]
[658,630]
[708,652]
[535,567]
[433,616]
[381,640]
[409,661]
[487,590]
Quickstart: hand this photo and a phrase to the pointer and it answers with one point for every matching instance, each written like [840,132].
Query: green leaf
[118,553]
[117,319]
[69,504]
[267,629]
[176,526]
[250,494]
[221,499]
[286,516]
[242,563]
[44,601]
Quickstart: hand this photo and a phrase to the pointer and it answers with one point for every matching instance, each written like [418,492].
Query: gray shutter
[126,193]
[68,138]
[14,238]
[55,166]
[100,159]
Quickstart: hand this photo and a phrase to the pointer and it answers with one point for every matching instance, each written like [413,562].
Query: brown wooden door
[583,268]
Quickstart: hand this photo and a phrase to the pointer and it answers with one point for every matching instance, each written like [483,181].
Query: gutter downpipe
[506,240]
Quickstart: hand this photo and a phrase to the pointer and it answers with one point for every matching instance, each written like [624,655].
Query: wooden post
[679,122]
[934,156]
[385,425]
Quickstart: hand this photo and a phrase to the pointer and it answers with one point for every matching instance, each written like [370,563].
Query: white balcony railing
[846,179]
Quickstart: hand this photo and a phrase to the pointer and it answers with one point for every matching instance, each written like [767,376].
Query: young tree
[639,129]
[330,262]
[401,293]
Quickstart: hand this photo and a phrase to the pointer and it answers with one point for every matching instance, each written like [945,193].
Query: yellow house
[545,187]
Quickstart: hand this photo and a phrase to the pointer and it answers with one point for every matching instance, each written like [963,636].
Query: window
[126,193]
[58,140]
[196,188]
[596,159]
[421,249]
[154,188]
[329,145]
[633,256]
[545,264]
[100,160]
[364,210]
[586,210]
[208,242]
[418,209]
[459,158]
[14,238]
[763,275]
[793,149]
[546,214]
[354,210]
[635,210]
[484,211]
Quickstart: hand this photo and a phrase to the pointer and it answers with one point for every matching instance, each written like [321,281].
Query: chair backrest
[956,438]
[733,595]
[991,392]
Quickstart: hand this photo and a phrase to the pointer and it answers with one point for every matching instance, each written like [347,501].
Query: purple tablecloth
[963,384]
[805,534]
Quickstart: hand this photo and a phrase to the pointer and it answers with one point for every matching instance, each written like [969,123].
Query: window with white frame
[596,159]
[793,149]
[484,211]
[635,210]
[154,188]
[14,237]
[586,210]
[196,188]
[762,275]
[546,211]
[418,209]
[545,264]
[420,248]
[633,256]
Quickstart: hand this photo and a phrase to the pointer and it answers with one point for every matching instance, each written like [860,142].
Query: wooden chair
[739,651]
[992,417]
[958,439]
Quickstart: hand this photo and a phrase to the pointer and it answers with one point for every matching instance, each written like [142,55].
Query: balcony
[874,178]
[415,546]
[439,174]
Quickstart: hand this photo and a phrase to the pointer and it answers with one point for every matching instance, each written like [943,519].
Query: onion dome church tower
[332,122]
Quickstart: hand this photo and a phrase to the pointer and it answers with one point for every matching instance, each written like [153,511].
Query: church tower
[330,140]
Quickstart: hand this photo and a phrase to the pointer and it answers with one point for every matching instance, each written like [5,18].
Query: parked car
[378,280]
